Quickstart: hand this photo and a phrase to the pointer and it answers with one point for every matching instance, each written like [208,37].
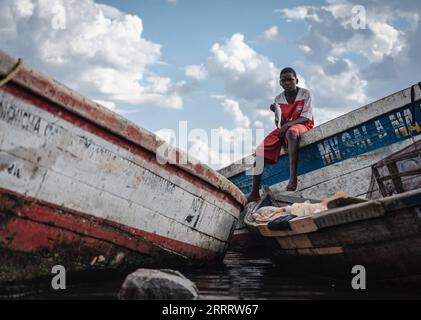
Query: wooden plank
[298,225]
[353,183]
[352,213]
[266,232]
[320,251]
[303,225]
[344,201]
[291,198]
[295,242]
[398,224]
[401,174]
[397,182]
[410,199]
[379,182]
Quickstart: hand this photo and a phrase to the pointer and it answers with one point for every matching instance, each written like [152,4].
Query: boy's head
[288,79]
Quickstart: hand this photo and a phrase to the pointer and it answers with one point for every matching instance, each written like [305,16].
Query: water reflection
[242,275]
[252,275]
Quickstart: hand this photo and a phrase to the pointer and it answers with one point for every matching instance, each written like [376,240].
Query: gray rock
[165,284]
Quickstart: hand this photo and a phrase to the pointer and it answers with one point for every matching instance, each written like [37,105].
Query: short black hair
[288,70]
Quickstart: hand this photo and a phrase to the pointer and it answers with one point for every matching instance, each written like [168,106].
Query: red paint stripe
[99,131]
[26,236]
[48,216]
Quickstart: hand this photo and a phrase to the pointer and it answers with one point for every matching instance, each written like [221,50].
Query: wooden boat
[383,236]
[81,187]
[338,155]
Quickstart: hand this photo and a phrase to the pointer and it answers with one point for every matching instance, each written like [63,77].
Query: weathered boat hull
[83,187]
[384,236]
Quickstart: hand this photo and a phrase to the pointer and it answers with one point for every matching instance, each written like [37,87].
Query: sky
[214,65]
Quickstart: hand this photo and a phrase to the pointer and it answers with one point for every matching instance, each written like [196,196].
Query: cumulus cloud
[383,45]
[348,82]
[233,108]
[335,29]
[95,49]
[343,90]
[258,124]
[250,80]
[197,72]
[271,33]
[300,13]
[246,74]
[265,117]
[305,48]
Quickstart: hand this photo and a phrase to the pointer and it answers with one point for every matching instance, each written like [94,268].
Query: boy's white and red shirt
[302,107]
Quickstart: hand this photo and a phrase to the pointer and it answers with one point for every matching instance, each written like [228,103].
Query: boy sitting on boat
[294,105]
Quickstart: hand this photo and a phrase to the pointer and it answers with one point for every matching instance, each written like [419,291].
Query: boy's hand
[283,130]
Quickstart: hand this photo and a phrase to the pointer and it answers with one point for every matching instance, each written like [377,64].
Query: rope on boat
[12,73]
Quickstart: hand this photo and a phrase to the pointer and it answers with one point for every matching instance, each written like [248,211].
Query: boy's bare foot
[254,196]
[292,185]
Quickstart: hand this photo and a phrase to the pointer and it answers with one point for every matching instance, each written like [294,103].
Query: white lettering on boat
[360,137]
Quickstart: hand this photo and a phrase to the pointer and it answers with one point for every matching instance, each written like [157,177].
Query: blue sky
[215,64]
[188,29]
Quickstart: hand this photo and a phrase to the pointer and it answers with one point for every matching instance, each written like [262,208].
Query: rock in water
[165,284]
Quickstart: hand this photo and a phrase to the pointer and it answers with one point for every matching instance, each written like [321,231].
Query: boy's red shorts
[270,148]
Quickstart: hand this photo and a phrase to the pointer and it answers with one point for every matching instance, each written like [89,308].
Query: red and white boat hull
[81,186]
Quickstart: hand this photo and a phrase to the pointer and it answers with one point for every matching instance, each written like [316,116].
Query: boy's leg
[266,152]
[293,143]
[257,176]
[254,195]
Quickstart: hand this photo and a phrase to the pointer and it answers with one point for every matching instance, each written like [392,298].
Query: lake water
[242,275]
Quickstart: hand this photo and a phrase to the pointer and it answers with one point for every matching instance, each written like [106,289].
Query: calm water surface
[242,275]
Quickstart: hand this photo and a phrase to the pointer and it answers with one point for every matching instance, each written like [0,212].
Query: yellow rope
[12,73]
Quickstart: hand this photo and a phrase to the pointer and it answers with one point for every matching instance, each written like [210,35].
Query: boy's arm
[305,115]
